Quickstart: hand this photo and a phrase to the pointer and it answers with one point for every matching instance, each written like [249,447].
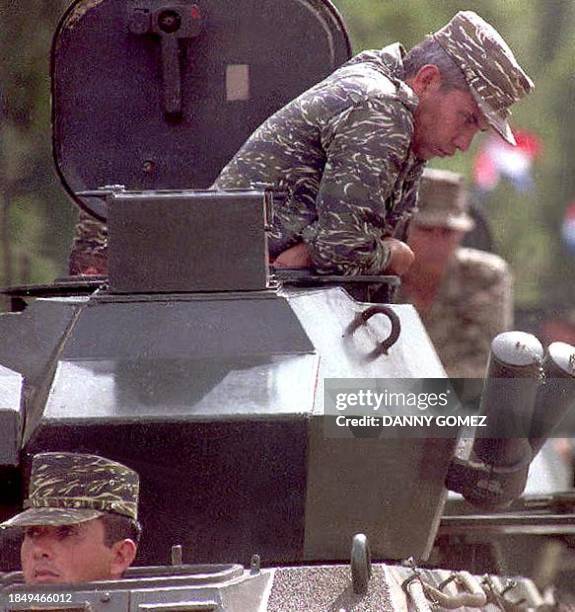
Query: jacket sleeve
[367,147]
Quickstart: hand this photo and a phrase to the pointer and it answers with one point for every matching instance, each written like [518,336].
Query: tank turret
[191,363]
[195,363]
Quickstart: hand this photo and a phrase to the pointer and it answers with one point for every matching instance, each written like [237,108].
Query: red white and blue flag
[498,160]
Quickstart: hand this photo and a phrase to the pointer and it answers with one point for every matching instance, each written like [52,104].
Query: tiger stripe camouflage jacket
[342,151]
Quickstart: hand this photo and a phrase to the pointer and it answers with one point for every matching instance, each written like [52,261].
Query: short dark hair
[118,527]
[431,52]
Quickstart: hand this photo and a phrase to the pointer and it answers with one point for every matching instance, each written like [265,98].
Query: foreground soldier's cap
[442,201]
[67,488]
[494,77]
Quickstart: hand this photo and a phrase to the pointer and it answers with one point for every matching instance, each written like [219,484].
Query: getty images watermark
[401,407]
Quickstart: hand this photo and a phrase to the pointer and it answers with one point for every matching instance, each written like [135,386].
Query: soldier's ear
[124,553]
[427,80]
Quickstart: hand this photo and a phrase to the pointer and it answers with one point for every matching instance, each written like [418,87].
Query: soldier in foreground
[463,296]
[350,150]
[82,519]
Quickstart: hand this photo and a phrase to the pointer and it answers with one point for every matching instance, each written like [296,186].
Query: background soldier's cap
[494,77]
[67,488]
[442,201]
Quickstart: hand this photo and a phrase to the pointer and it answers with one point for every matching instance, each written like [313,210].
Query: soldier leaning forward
[350,151]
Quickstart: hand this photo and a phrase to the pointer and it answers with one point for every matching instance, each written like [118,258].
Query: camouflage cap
[70,488]
[494,77]
[443,201]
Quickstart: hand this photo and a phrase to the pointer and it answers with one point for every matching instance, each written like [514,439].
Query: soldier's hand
[400,258]
[295,257]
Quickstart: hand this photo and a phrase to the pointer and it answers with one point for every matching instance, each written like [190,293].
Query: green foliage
[35,217]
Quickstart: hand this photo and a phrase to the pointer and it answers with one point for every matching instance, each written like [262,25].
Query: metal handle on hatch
[173,22]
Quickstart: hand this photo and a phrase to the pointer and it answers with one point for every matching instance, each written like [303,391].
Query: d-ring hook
[361,319]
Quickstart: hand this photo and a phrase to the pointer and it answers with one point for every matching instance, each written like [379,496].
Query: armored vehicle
[208,372]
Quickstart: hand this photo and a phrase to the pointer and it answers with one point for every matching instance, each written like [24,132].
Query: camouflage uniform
[69,488]
[342,152]
[474,304]
[89,249]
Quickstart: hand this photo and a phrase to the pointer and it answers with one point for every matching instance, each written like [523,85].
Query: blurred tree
[35,219]
[557,177]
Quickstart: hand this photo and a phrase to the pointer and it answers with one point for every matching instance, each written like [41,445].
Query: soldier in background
[89,249]
[82,519]
[463,295]
[350,151]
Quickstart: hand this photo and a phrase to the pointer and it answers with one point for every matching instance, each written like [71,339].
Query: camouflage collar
[389,62]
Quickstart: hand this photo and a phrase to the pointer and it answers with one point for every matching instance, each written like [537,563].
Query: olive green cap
[443,201]
[67,488]
[494,77]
